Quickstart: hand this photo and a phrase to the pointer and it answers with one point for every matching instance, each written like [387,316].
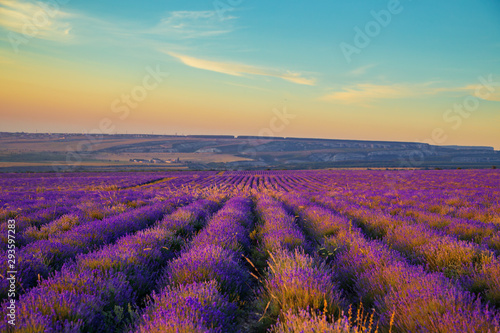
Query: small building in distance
[177,160]
[208,150]
[154,160]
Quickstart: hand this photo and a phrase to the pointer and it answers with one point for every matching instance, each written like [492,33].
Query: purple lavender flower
[195,307]
[210,262]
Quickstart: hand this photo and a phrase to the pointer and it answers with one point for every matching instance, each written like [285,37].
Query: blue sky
[232,62]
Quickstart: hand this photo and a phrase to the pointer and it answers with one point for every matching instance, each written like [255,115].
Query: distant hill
[75,152]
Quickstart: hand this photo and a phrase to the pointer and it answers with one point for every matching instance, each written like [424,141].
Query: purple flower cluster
[135,260]
[461,228]
[57,226]
[229,228]
[298,281]
[71,300]
[192,218]
[40,257]
[423,245]
[317,221]
[190,308]
[33,219]
[417,299]
[295,281]
[210,262]
[480,232]
[46,207]
[215,252]
[138,256]
[278,228]
[211,266]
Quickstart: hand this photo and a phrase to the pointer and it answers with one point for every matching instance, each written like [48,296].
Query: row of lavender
[208,289]
[464,193]
[38,259]
[296,286]
[479,232]
[485,234]
[77,181]
[475,267]
[56,211]
[467,194]
[405,296]
[101,290]
[204,288]
[315,252]
[23,194]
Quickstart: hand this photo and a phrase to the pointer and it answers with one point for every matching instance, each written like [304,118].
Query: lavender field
[251,251]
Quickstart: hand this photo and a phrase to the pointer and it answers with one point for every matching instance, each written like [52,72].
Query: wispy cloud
[237,69]
[193,24]
[365,93]
[490,93]
[361,70]
[246,86]
[33,20]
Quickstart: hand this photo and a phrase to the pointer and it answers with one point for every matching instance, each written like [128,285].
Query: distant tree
[494,167]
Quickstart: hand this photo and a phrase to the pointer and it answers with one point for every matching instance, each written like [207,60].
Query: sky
[407,70]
